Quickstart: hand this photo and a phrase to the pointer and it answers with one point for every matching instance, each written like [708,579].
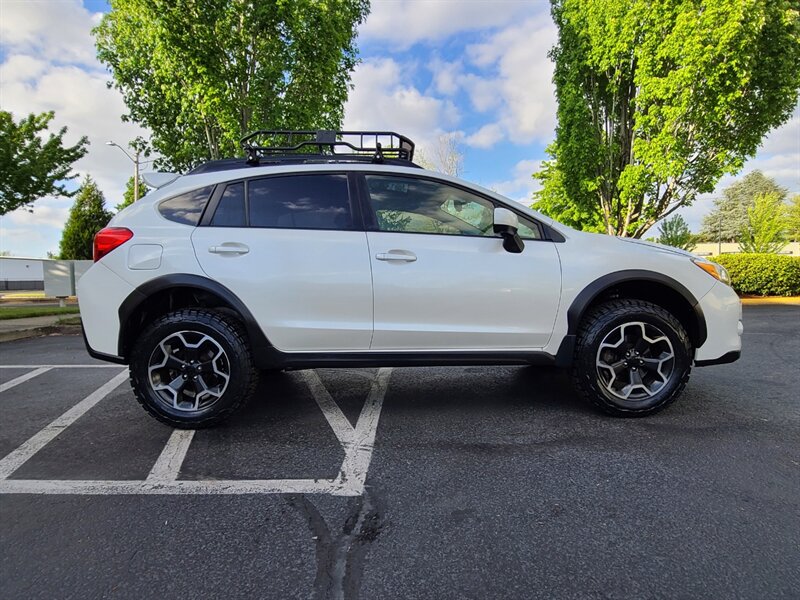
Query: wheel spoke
[197,376]
[634,361]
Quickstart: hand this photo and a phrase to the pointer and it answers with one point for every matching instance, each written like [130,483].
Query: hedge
[762,274]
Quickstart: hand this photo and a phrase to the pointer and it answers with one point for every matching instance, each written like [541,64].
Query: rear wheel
[192,368]
[632,358]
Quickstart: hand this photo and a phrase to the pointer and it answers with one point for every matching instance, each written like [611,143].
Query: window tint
[187,207]
[230,210]
[300,202]
[420,206]
[529,230]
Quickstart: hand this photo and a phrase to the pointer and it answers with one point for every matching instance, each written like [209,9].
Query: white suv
[354,256]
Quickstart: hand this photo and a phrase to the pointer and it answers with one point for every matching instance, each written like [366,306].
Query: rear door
[442,280]
[293,249]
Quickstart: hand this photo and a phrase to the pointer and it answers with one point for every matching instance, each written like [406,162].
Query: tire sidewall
[202,323]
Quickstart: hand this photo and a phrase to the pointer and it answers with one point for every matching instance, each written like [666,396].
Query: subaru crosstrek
[333,249]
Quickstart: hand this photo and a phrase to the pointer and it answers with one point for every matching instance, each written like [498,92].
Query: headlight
[718,272]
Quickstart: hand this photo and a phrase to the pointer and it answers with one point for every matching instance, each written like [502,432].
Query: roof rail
[380,144]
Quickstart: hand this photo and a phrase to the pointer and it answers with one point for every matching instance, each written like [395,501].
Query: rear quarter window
[186,208]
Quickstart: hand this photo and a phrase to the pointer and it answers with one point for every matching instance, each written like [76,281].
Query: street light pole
[136,177]
[136,163]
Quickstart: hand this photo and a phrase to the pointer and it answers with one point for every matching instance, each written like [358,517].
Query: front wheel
[632,358]
[192,368]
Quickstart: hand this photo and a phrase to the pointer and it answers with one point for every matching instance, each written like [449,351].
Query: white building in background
[21,273]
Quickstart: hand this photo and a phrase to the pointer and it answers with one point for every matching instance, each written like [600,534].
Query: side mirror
[506,224]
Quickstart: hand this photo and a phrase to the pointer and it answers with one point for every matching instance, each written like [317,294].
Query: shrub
[763,274]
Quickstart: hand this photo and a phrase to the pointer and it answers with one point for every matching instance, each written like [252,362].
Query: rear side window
[231,208]
[187,207]
[300,202]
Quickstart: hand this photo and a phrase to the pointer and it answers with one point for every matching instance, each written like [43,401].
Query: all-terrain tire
[225,333]
[601,322]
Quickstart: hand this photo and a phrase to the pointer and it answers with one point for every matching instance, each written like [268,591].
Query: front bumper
[722,310]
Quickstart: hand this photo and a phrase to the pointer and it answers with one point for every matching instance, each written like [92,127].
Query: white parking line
[23,378]
[358,444]
[17,458]
[169,462]
[182,487]
[333,414]
[358,458]
[61,366]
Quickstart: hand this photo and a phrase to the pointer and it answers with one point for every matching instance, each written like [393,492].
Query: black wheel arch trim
[598,286]
[725,359]
[259,343]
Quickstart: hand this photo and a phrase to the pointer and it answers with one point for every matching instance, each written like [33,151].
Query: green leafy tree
[87,216]
[201,75]
[30,166]
[554,200]
[764,232]
[729,217]
[793,219]
[675,232]
[127,198]
[658,99]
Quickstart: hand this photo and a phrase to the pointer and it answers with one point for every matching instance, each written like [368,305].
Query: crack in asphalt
[341,557]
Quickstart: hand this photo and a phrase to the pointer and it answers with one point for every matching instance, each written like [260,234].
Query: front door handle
[229,249]
[397,255]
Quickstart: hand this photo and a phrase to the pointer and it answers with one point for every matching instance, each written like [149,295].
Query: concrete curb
[21,334]
[771,300]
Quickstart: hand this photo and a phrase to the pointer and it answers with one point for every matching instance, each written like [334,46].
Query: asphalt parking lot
[405,483]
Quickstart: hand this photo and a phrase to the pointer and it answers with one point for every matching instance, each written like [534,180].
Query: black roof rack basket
[378,145]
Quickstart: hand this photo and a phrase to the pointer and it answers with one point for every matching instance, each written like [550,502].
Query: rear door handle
[397,255]
[229,248]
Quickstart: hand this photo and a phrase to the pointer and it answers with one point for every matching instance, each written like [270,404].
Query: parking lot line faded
[357,442]
[23,378]
[15,459]
[169,463]
[92,366]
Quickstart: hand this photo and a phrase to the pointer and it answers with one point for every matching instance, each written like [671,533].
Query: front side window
[300,202]
[422,206]
[186,208]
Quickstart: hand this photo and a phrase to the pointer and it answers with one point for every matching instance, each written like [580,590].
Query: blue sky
[476,69]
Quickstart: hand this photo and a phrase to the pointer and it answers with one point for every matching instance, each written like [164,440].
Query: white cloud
[486,137]
[381,99]
[49,65]
[56,31]
[521,185]
[402,23]
[520,77]
[446,76]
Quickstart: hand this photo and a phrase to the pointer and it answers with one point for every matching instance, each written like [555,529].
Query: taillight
[109,238]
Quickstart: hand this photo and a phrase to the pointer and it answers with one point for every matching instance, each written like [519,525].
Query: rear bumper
[100,355]
[100,293]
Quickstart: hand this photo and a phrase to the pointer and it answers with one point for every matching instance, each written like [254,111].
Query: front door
[289,247]
[441,278]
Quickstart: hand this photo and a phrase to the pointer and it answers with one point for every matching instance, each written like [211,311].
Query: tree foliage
[793,219]
[729,218]
[201,75]
[30,166]
[657,99]
[675,232]
[766,223]
[443,155]
[127,198]
[87,216]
